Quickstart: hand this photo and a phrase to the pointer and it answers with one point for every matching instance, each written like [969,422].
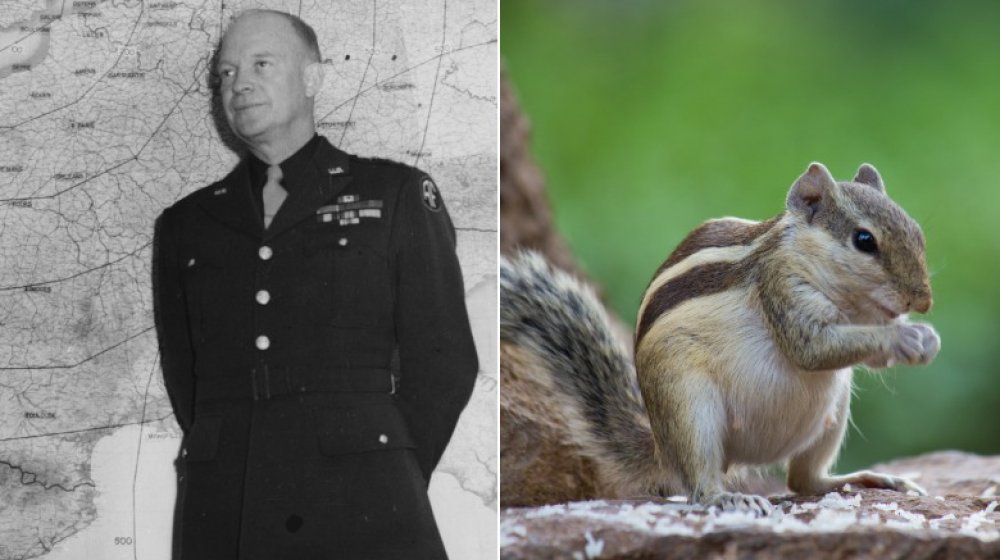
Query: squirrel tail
[564,327]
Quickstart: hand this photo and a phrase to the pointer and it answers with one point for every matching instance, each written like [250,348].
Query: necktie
[274,194]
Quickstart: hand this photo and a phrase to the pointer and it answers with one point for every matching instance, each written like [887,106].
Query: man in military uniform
[288,295]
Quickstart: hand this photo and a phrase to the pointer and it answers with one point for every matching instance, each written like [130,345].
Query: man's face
[262,66]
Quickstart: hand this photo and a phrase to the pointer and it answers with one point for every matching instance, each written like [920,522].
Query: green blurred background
[651,117]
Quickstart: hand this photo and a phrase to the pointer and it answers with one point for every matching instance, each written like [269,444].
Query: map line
[89,89]
[405,71]
[81,362]
[437,76]
[78,274]
[85,430]
[35,31]
[368,66]
[126,161]
[33,479]
[138,454]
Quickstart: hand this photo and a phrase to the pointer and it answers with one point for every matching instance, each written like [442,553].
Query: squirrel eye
[864,241]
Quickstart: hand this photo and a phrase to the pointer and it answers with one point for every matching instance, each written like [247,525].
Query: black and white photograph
[248,286]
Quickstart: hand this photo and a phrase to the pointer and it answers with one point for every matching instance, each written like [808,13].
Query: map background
[104,120]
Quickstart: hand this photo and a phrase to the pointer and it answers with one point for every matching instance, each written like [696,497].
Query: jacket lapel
[315,184]
[232,204]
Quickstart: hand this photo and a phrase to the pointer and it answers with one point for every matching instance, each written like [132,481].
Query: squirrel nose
[922,301]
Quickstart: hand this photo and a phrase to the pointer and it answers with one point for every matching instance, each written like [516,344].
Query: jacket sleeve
[170,312]
[437,355]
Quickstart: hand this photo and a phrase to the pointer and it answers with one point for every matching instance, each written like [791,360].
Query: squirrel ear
[868,175]
[809,190]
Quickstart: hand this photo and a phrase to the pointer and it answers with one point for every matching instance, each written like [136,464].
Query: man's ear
[811,191]
[312,75]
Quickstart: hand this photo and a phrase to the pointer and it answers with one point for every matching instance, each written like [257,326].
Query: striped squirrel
[744,344]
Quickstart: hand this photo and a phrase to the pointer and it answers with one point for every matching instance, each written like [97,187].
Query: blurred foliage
[650,117]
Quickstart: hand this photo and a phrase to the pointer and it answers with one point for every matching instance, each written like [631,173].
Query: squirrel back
[561,323]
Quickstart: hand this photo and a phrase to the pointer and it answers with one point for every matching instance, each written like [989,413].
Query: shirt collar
[290,168]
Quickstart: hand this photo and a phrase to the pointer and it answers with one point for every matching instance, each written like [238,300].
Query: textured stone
[875,524]
[950,473]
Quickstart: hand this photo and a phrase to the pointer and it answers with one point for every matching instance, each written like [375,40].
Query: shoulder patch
[429,195]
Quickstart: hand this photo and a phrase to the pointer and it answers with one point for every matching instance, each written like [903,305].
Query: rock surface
[959,519]
[950,473]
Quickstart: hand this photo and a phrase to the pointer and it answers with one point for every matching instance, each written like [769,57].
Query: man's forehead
[258,34]
[254,52]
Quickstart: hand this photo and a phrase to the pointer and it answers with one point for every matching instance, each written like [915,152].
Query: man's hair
[305,32]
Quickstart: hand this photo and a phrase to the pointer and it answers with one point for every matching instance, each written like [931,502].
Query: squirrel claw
[734,501]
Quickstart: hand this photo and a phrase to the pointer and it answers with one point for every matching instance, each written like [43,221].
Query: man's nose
[241,82]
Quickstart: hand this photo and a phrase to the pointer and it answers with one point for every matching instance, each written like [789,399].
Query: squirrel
[744,345]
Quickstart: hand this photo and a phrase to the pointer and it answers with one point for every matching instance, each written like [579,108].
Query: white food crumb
[546,511]
[789,524]
[917,519]
[510,534]
[594,546]
[832,520]
[669,526]
[836,501]
[870,520]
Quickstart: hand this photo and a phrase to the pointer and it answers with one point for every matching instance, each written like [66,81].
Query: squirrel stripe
[723,232]
[698,282]
[704,264]
[723,239]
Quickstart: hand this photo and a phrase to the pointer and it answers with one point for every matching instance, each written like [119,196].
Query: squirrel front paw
[915,344]
[734,501]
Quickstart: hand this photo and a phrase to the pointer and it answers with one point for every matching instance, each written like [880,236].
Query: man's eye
[227,73]
[262,63]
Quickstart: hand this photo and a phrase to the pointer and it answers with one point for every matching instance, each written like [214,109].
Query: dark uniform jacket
[279,349]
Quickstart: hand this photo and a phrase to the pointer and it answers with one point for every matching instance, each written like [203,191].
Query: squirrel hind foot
[869,479]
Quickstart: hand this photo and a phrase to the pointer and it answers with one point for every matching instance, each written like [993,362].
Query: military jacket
[317,367]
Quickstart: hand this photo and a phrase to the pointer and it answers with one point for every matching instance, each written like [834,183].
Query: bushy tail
[562,324]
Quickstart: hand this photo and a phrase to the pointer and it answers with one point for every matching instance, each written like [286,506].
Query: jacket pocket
[217,294]
[202,442]
[346,279]
[361,429]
